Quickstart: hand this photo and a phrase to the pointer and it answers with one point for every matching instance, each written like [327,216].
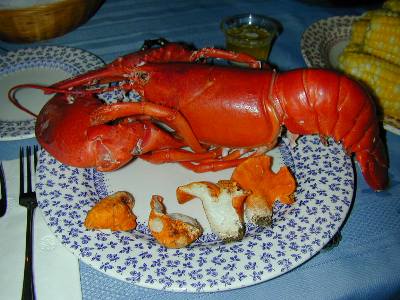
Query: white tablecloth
[56,269]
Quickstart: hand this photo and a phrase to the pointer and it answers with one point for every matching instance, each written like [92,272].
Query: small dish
[250,33]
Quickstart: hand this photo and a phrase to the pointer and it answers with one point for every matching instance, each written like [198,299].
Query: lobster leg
[228,55]
[154,138]
[170,117]
[177,155]
[212,165]
[229,161]
[123,67]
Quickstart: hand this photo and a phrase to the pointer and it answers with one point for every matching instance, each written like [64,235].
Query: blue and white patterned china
[39,65]
[324,194]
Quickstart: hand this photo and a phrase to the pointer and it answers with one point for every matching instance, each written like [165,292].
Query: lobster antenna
[11,97]
[47,90]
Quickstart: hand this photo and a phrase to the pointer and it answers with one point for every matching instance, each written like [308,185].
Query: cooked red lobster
[206,107]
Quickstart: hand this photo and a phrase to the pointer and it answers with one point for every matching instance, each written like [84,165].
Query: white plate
[42,65]
[324,41]
[325,188]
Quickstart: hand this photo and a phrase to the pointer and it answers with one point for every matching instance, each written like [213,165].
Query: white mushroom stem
[223,204]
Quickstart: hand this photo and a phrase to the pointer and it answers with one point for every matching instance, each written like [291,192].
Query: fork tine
[28,169]
[21,171]
[35,156]
[3,192]
[2,181]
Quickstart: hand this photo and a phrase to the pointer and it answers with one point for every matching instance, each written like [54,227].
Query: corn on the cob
[352,47]
[382,38]
[373,57]
[379,75]
[358,30]
[393,5]
[361,26]
[368,15]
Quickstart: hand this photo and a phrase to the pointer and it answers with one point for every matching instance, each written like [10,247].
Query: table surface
[366,263]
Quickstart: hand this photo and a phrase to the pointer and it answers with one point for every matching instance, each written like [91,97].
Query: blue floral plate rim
[72,61]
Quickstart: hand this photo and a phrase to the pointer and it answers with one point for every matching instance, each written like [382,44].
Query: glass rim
[272,23]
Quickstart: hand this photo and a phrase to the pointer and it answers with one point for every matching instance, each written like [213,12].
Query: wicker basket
[42,22]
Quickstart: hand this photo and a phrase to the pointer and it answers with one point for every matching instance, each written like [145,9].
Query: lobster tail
[374,166]
[342,109]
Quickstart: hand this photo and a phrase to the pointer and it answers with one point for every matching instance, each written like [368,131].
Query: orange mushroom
[173,230]
[256,176]
[112,212]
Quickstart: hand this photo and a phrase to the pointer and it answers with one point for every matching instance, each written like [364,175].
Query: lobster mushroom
[173,230]
[179,89]
[255,175]
[112,212]
[223,205]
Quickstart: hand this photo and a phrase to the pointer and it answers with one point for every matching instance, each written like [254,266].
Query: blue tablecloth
[366,264]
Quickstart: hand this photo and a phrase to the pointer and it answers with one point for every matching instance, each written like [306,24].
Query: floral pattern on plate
[71,61]
[325,188]
[319,41]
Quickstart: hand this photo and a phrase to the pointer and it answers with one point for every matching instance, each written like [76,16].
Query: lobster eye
[144,76]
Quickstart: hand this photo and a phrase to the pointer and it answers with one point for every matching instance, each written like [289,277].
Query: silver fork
[3,192]
[28,200]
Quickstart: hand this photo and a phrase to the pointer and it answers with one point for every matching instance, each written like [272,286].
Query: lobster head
[66,130]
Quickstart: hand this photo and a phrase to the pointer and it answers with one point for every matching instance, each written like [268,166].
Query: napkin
[56,270]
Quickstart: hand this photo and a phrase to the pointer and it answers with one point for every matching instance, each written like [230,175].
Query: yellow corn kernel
[393,5]
[382,38]
[379,12]
[379,75]
[358,30]
[353,47]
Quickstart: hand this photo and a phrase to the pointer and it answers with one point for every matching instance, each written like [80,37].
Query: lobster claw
[68,133]
[112,145]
